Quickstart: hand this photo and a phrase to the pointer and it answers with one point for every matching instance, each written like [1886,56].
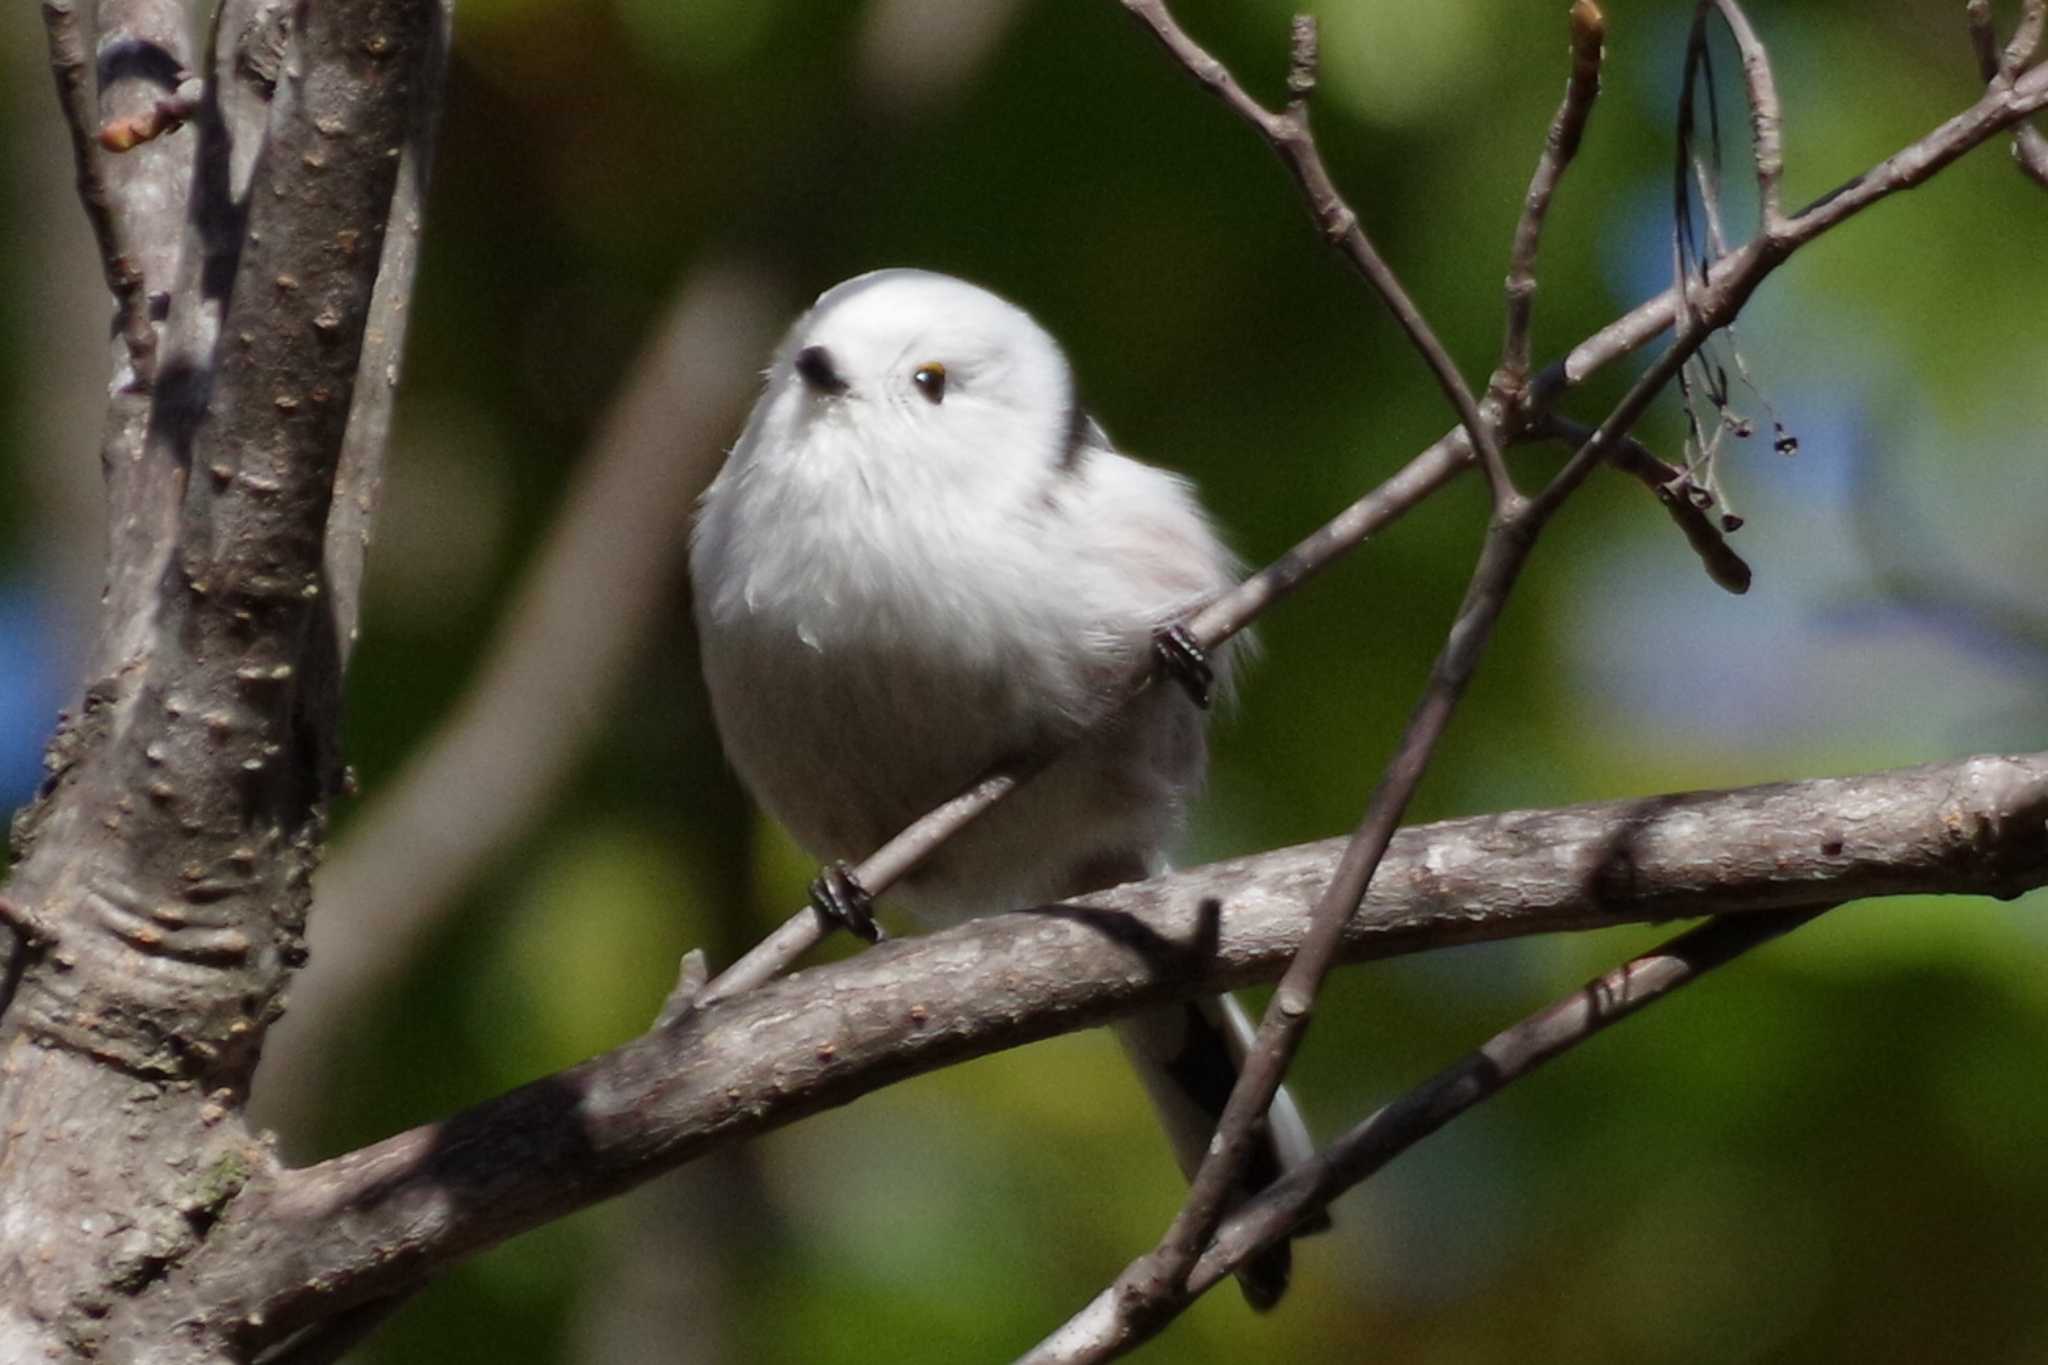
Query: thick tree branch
[221,762]
[376,1221]
[358,489]
[183,188]
[134,57]
[167,861]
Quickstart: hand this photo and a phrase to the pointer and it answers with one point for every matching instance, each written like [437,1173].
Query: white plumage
[923,560]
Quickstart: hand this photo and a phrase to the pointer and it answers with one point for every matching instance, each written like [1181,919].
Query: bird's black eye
[930,379]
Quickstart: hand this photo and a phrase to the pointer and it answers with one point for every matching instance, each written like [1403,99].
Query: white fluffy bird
[923,560]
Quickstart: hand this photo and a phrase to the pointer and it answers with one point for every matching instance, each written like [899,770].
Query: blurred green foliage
[1827,1153]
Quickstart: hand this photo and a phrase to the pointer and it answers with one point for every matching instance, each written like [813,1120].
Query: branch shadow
[1165,958]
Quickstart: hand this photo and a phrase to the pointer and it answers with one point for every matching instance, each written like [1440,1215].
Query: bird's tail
[1188,1055]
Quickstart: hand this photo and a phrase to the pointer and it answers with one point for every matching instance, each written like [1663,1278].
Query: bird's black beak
[814,364]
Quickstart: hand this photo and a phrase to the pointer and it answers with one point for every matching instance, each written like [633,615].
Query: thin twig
[1913,165]
[2002,107]
[1607,437]
[136,207]
[1730,281]
[2026,37]
[1287,133]
[142,56]
[879,871]
[1685,501]
[1150,1285]
[359,478]
[692,973]
[2029,144]
[166,115]
[1766,116]
[1505,1058]
[70,63]
[1704,374]
[1560,145]
[1983,37]
[1303,1192]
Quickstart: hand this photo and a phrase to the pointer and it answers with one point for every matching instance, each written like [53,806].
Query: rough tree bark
[159,900]
[258,240]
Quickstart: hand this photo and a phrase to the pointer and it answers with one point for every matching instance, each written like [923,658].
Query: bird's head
[937,380]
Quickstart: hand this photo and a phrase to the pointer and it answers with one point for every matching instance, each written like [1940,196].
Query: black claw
[1186,662]
[837,894]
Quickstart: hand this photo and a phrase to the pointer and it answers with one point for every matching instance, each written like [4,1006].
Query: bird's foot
[837,895]
[1186,662]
